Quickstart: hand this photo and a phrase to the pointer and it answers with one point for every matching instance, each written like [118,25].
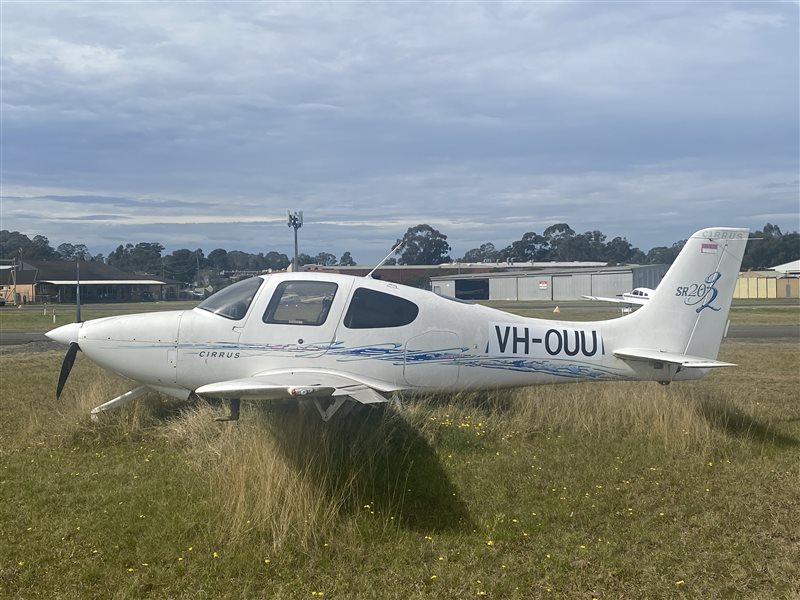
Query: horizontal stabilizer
[684,360]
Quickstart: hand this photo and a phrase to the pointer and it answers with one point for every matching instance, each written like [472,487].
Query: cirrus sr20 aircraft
[335,339]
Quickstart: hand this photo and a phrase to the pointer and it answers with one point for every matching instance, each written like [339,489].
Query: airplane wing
[638,301]
[280,385]
[684,360]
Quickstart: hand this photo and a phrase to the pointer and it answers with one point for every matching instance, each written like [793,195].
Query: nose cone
[65,334]
[142,347]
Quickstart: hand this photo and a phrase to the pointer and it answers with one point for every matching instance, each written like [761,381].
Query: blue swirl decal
[703,294]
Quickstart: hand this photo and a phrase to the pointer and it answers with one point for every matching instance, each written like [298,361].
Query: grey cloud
[475,116]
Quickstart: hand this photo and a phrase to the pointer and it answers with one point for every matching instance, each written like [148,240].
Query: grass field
[582,491]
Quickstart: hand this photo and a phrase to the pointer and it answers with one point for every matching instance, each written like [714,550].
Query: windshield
[233,301]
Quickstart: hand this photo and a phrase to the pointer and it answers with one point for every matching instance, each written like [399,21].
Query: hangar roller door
[611,284]
[503,288]
[571,287]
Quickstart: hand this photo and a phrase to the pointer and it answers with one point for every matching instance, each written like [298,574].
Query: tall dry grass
[36,417]
[671,416]
[289,477]
[676,417]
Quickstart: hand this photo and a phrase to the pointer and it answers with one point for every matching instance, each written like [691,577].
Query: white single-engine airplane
[333,338]
[636,296]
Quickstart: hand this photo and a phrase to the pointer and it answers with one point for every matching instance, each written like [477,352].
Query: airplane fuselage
[447,345]
[321,335]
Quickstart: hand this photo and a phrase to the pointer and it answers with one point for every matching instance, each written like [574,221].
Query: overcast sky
[200,124]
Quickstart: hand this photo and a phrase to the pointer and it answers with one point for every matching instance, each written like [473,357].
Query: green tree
[664,255]
[218,259]
[237,260]
[68,251]
[182,265]
[347,260]
[14,244]
[121,257]
[325,258]
[621,251]
[484,253]
[277,260]
[557,238]
[530,247]
[424,245]
[771,247]
[145,257]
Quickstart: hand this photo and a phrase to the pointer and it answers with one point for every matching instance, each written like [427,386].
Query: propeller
[66,367]
[69,333]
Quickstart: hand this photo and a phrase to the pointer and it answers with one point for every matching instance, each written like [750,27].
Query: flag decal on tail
[709,248]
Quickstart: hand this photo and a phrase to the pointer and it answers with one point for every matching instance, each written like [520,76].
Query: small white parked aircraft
[636,296]
[333,338]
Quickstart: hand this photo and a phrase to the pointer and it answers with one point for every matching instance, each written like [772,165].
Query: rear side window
[233,301]
[300,303]
[370,309]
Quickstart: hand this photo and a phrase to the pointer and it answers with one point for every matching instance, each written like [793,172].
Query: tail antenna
[395,250]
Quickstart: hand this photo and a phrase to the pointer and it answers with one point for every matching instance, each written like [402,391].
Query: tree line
[147,257]
[421,245]
[425,245]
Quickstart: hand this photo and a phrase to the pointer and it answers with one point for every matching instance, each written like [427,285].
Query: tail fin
[688,313]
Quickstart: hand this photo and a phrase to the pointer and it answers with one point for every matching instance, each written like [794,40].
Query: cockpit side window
[370,309]
[233,301]
[300,303]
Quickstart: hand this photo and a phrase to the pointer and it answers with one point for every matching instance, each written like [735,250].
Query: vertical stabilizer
[689,311]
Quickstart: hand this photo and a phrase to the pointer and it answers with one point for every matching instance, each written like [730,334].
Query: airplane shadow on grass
[372,457]
[724,415]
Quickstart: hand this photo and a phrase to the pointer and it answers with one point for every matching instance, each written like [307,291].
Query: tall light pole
[77,290]
[295,222]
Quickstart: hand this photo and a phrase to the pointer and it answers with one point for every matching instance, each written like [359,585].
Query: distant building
[419,275]
[549,283]
[768,284]
[790,268]
[56,281]
[17,287]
